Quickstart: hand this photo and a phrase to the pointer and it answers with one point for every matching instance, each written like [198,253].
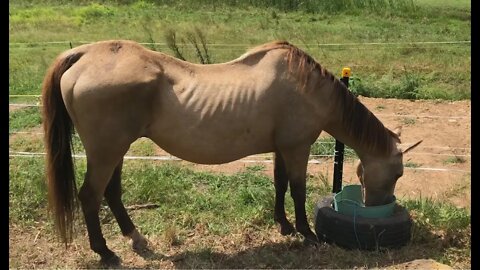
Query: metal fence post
[339,146]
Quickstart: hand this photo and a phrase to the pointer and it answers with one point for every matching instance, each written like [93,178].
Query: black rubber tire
[359,232]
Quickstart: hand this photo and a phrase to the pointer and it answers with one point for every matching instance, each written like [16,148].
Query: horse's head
[378,176]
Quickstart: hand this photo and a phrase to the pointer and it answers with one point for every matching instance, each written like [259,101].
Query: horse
[275,98]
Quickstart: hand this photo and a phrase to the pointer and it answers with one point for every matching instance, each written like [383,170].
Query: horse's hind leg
[113,195]
[296,161]
[281,184]
[91,194]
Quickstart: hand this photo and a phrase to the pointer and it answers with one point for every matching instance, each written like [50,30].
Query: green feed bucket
[349,202]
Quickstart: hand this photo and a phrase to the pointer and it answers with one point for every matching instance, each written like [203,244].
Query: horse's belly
[214,145]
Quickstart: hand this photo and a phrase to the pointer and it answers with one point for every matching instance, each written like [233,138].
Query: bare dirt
[442,171]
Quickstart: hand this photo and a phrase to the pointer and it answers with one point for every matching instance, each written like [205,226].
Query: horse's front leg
[296,161]
[281,184]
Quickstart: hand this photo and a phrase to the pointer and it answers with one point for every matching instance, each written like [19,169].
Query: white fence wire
[377,114]
[32,44]
[249,159]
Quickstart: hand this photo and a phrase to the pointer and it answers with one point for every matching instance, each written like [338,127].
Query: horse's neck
[336,130]
[354,125]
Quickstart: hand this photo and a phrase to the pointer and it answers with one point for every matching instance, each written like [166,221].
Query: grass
[408,121]
[455,160]
[421,71]
[24,118]
[410,164]
[223,205]
[325,146]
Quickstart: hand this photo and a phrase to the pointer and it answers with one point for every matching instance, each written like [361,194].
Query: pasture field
[221,216]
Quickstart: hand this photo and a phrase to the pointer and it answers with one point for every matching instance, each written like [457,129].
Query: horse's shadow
[293,254]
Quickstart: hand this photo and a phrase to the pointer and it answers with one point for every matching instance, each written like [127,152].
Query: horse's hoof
[110,260]
[287,229]
[311,240]
[140,244]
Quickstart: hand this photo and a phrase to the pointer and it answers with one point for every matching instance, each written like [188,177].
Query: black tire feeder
[356,232]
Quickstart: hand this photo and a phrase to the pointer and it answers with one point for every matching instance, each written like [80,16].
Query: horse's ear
[398,131]
[411,147]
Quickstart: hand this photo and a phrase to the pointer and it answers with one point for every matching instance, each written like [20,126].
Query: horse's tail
[58,129]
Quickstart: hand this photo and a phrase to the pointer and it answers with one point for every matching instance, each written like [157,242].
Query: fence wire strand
[248,159]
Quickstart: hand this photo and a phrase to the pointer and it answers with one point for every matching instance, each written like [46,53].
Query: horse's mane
[299,62]
[360,122]
[356,119]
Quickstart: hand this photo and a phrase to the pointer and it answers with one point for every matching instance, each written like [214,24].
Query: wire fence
[264,158]
[249,159]
[242,47]
[347,44]
[267,158]
[377,114]
[459,149]
[454,149]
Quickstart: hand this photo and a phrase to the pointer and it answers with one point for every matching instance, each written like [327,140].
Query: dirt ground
[442,172]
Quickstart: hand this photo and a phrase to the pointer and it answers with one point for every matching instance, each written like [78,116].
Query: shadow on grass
[424,244]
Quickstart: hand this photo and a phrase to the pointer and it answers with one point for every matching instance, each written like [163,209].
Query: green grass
[241,199]
[439,215]
[142,147]
[455,160]
[326,146]
[428,71]
[185,197]
[437,224]
[226,204]
[27,189]
[408,121]
[410,164]
[24,118]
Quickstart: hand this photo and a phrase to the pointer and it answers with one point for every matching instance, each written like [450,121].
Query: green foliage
[94,12]
[455,160]
[24,143]
[410,164]
[439,215]
[142,147]
[408,86]
[326,146]
[180,191]
[24,118]
[311,6]
[410,71]
[224,204]
[27,189]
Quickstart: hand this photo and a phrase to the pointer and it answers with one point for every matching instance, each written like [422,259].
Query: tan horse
[275,98]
